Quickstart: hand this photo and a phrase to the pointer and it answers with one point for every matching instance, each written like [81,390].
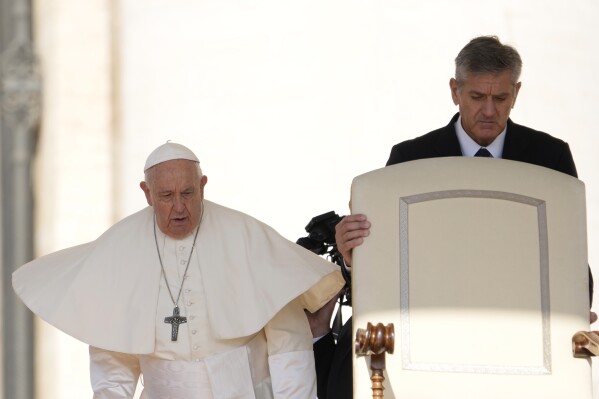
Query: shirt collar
[469,147]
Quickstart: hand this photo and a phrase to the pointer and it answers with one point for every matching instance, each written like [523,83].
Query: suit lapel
[516,142]
[447,144]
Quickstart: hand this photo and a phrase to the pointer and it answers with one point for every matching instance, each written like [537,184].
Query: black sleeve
[395,156]
[324,350]
[566,162]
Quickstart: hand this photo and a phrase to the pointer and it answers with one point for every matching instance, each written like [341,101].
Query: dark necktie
[483,152]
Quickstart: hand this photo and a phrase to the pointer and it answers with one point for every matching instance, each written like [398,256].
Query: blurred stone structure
[20,101]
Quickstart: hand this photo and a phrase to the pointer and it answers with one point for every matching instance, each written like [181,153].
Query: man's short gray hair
[486,54]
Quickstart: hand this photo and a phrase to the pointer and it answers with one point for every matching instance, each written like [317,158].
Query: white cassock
[244,295]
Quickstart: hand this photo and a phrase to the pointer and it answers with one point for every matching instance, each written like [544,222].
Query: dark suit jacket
[334,362]
[334,365]
[521,144]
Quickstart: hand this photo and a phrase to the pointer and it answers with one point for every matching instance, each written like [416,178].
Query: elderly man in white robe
[200,300]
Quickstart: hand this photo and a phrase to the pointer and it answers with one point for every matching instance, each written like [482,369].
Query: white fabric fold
[113,375]
[289,368]
[105,292]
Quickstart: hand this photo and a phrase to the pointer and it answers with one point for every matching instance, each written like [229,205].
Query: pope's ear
[146,191]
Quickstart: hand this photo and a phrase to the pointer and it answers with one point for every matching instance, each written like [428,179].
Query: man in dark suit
[485,88]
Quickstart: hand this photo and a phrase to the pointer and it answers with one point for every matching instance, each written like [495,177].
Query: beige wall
[283,101]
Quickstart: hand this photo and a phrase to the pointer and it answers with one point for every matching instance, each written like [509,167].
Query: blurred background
[284,102]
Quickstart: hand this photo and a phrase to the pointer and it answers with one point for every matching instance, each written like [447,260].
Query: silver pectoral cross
[174,321]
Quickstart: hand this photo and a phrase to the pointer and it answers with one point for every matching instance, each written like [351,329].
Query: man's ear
[146,191]
[516,91]
[453,86]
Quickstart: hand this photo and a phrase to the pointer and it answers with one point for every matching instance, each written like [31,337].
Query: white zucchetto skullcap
[168,152]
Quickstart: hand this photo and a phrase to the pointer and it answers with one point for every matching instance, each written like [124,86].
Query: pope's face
[485,101]
[175,190]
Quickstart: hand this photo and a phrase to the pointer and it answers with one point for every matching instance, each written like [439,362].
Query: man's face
[175,190]
[485,101]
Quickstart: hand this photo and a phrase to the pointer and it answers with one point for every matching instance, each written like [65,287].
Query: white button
[191,317]
[181,248]
[183,261]
[196,347]
[194,332]
[189,303]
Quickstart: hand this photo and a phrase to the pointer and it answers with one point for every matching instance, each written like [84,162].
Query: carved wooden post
[374,341]
[585,344]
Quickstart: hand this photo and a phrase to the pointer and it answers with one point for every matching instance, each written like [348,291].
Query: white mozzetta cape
[105,293]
